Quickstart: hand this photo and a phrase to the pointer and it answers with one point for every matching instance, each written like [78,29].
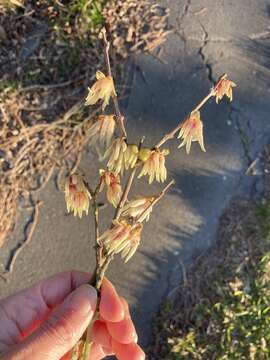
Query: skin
[46,320]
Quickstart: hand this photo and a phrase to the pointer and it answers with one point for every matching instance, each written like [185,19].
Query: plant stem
[200,105]
[172,133]
[125,194]
[128,185]
[97,244]
[120,118]
[100,273]
[156,200]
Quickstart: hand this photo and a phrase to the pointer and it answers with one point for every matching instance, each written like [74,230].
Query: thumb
[63,328]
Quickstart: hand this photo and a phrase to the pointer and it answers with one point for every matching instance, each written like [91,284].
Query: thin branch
[128,186]
[95,207]
[200,105]
[96,219]
[102,270]
[119,116]
[125,193]
[155,201]
[50,86]
[172,133]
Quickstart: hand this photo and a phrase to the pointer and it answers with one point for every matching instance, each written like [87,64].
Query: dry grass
[221,310]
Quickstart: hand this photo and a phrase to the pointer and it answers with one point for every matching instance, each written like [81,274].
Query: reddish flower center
[72,187]
[193,124]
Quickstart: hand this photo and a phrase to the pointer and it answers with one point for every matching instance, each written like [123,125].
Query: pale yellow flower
[154,166]
[133,243]
[122,237]
[112,182]
[116,156]
[131,156]
[102,130]
[137,207]
[224,87]
[114,238]
[77,195]
[102,89]
[12,3]
[192,130]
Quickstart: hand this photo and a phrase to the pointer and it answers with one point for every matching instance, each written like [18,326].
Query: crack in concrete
[207,64]
[242,131]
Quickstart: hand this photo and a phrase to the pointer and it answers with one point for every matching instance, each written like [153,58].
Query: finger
[63,328]
[127,315]
[108,352]
[128,351]
[67,356]
[96,352]
[100,334]
[29,308]
[124,330]
[111,308]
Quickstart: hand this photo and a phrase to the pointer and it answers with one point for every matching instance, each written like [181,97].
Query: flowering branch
[124,235]
[119,116]
[172,133]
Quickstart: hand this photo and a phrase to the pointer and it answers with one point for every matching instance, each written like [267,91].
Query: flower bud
[144,154]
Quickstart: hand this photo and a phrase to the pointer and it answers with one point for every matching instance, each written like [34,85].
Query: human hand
[46,320]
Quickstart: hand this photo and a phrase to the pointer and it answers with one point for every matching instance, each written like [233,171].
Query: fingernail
[84,300]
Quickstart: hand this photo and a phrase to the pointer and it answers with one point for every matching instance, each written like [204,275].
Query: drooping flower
[116,156]
[131,156]
[192,130]
[112,182]
[116,237]
[133,243]
[101,132]
[102,89]
[137,207]
[122,237]
[77,195]
[224,87]
[154,166]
